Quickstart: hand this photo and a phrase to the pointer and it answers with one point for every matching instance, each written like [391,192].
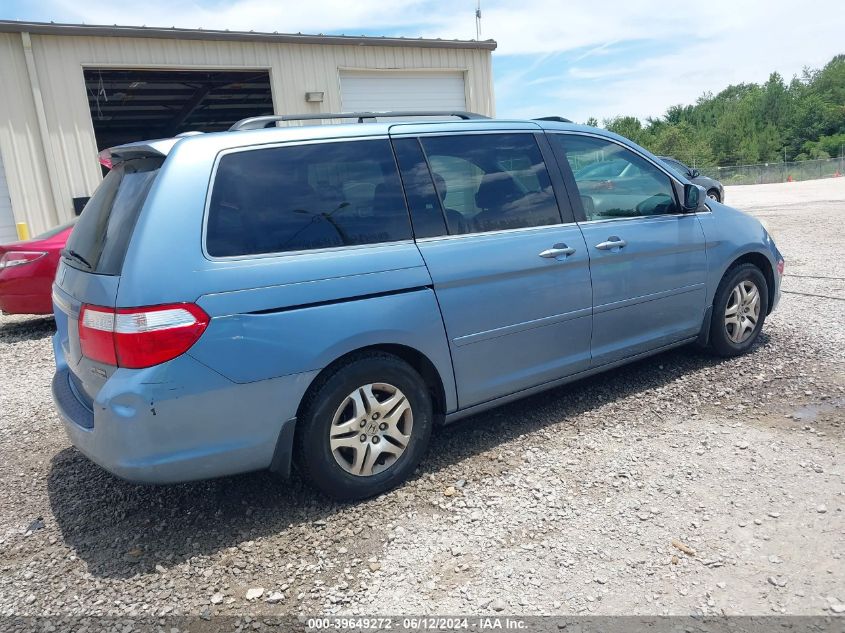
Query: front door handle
[558,251]
[611,243]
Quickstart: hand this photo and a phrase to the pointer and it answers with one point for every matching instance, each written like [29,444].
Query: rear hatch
[91,263]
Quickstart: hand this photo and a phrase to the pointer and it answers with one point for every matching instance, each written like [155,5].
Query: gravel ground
[682,484]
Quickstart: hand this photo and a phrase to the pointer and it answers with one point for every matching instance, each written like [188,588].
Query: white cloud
[708,46]
[244,15]
[693,47]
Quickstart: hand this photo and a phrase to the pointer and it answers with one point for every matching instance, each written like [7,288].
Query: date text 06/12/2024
[490,623]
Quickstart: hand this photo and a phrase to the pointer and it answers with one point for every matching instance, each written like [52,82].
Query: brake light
[19,258]
[96,334]
[140,337]
[780,266]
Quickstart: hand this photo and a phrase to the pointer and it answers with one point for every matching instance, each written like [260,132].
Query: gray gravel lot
[567,502]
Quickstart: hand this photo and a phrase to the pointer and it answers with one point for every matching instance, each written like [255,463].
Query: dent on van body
[253,347]
[171,422]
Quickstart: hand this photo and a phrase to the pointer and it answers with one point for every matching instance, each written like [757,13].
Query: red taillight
[140,337]
[19,258]
[96,334]
[780,266]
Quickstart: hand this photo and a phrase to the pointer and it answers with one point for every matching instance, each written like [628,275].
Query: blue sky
[575,58]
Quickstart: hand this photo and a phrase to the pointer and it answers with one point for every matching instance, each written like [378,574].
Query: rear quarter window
[306,197]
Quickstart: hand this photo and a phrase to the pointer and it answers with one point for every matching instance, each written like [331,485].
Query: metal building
[68,91]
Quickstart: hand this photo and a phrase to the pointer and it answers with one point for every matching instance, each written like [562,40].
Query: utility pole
[478,21]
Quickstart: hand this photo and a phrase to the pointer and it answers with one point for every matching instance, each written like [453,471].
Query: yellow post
[23,231]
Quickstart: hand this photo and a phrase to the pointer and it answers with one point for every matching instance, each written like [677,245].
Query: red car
[27,270]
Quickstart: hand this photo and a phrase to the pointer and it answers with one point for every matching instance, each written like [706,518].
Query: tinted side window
[305,197]
[426,211]
[491,182]
[614,182]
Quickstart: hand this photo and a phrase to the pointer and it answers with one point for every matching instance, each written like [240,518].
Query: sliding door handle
[611,243]
[558,250]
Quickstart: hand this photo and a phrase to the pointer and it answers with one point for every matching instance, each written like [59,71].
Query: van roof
[245,133]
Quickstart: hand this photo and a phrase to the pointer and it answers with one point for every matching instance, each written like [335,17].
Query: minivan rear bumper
[148,429]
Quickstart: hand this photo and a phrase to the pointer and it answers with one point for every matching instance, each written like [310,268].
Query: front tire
[739,310]
[364,427]
[713,194]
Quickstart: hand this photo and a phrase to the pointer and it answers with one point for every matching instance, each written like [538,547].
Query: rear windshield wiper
[70,253]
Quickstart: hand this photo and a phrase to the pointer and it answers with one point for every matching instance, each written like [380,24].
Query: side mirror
[694,196]
[694,173]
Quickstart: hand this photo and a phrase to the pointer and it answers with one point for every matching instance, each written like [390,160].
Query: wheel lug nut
[375,439]
[363,437]
[382,426]
[363,423]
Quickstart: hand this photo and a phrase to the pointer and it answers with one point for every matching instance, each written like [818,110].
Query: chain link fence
[765,173]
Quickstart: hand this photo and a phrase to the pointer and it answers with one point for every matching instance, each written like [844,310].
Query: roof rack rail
[559,119]
[259,122]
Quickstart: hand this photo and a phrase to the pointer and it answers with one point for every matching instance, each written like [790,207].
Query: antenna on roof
[478,21]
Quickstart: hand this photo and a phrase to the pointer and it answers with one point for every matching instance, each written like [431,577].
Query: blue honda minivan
[325,295]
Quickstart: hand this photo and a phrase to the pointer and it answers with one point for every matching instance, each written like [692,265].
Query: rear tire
[364,427]
[739,310]
[713,194]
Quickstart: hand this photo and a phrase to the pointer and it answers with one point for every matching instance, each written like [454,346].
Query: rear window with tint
[101,235]
[306,197]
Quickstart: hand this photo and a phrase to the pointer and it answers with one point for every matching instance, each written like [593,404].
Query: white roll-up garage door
[368,91]
[8,233]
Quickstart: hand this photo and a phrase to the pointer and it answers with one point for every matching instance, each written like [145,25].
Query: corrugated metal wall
[59,62]
[20,141]
[8,231]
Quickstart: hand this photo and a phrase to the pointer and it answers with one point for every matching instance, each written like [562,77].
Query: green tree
[749,123]
[627,126]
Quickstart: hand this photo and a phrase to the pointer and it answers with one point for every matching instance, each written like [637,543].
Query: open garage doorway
[130,105]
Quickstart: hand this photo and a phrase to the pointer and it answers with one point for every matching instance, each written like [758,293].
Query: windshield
[102,233]
[676,167]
